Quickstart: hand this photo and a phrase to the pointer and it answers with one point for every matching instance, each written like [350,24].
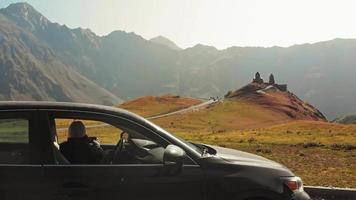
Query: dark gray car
[151,164]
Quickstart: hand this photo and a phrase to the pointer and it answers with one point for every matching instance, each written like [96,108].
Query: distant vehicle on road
[144,162]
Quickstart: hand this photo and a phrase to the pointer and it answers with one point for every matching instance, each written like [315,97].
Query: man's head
[77,130]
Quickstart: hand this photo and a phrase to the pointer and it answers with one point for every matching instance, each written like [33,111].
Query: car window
[14,141]
[104,133]
[108,144]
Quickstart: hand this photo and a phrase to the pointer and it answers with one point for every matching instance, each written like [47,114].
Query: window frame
[114,120]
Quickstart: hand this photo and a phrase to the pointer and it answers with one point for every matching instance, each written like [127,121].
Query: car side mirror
[173,158]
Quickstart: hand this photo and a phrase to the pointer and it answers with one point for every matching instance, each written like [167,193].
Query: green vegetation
[14,131]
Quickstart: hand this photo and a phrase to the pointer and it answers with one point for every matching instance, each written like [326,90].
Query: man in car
[79,148]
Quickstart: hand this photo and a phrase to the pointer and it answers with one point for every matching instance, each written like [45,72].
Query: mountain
[126,65]
[165,42]
[347,119]
[30,70]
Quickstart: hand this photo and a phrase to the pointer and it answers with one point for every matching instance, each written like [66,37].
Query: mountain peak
[25,15]
[165,42]
[201,49]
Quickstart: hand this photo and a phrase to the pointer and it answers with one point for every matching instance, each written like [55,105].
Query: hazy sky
[221,23]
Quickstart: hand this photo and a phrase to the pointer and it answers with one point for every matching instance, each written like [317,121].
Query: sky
[219,23]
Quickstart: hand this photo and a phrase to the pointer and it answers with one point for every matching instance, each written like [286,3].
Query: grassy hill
[252,106]
[155,105]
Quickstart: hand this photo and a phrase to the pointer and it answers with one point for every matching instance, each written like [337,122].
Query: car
[161,165]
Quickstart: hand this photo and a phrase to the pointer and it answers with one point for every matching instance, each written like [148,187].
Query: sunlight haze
[220,23]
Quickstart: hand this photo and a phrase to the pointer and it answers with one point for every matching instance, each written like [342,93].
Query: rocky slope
[30,70]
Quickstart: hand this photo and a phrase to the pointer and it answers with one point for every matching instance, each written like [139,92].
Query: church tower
[271,80]
[257,78]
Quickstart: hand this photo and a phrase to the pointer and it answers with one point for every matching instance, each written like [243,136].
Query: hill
[274,97]
[156,105]
[256,105]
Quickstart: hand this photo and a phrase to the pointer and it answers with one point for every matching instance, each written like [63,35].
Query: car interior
[132,147]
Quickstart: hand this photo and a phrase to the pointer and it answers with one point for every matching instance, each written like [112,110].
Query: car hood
[244,158]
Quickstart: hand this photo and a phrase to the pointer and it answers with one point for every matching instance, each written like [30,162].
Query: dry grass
[151,105]
[229,115]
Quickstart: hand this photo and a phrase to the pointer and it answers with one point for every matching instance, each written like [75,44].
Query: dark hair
[77,129]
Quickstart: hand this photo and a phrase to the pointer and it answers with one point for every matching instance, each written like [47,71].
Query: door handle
[74,185]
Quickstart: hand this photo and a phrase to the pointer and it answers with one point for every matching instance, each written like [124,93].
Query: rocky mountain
[126,65]
[30,70]
[165,42]
[347,119]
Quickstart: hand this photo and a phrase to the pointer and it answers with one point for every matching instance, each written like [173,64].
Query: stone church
[258,79]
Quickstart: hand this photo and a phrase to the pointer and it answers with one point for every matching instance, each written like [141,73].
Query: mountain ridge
[32,71]
[127,65]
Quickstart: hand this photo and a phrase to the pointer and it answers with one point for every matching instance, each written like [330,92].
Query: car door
[122,181]
[21,174]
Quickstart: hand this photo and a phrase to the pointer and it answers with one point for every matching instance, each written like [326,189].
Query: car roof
[49,105]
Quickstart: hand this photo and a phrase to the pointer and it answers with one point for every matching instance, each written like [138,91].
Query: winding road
[189,109]
[184,110]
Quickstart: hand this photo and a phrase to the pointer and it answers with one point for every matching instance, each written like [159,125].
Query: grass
[151,105]
[229,115]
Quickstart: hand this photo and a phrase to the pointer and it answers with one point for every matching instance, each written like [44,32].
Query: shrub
[346,147]
[312,144]
[262,150]
[251,140]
